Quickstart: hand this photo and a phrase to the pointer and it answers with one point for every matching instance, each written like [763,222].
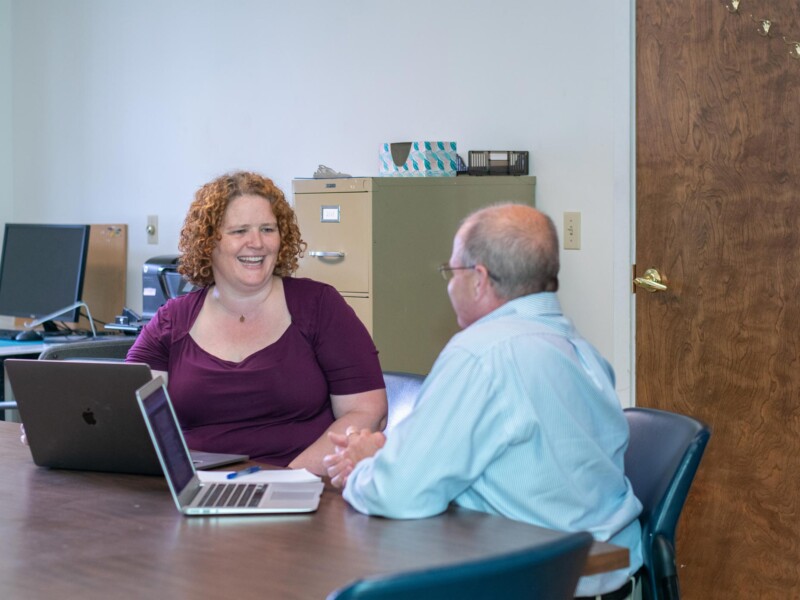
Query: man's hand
[353,446]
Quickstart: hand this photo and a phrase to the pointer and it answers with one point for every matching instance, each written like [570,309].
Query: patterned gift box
[418,159]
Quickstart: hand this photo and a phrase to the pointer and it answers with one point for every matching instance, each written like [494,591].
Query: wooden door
[718,212]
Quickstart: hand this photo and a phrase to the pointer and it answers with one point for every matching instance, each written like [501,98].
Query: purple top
[276,402]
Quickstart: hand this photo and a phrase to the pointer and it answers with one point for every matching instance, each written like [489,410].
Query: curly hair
[200,232]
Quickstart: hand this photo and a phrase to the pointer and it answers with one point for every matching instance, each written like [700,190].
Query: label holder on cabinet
[330,213]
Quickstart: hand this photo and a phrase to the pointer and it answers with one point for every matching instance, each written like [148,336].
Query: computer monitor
[42,270]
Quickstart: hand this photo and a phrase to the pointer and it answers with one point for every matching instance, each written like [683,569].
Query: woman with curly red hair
[259,362]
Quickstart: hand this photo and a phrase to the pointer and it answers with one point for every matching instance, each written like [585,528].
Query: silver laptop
[83,415]
[194,497]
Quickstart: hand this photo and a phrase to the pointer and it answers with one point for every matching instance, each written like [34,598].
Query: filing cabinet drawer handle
[321,254]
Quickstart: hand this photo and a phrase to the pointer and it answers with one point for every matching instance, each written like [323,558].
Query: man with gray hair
[518,416]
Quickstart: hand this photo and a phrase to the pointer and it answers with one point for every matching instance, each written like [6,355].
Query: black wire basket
[498,162]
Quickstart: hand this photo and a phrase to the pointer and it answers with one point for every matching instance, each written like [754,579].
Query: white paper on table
[262,476]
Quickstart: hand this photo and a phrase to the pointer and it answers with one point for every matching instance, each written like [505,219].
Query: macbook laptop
[195,497]
[83,415]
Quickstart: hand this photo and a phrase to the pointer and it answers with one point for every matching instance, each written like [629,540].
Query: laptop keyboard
[227,495]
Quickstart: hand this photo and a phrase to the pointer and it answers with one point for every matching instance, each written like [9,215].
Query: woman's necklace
[242,318]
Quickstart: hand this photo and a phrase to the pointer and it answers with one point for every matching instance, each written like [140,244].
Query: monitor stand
[50,328]
[44,320]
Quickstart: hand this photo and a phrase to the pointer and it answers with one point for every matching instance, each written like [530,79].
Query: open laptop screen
[165,431]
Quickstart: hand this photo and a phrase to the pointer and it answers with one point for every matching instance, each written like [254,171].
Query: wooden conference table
[70,534]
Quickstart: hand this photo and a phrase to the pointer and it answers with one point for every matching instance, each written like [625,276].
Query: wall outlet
[152,229]
[572,231]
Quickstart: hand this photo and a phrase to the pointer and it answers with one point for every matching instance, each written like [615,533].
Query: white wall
[5,112]
[6,207]
[122,109]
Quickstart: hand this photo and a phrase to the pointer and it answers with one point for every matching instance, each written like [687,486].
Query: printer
[160,282]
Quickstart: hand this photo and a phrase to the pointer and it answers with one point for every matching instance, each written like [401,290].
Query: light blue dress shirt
[519,418]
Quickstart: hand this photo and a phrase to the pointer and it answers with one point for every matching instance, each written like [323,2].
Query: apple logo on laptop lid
[88,416]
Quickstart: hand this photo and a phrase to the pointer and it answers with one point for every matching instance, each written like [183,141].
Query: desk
[9,348]
[70,534]
[13,348]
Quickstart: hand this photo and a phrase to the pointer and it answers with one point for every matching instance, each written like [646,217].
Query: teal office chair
[662,458]
[401,393]
[548,571]
[104,348]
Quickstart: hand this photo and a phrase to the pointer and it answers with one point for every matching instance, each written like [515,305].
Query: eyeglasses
[446,271]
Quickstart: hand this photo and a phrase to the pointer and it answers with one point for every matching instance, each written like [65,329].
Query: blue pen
[246,471]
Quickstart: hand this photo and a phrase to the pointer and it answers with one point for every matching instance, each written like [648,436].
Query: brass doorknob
[651,281]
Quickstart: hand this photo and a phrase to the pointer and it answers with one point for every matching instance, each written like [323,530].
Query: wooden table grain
[72,534]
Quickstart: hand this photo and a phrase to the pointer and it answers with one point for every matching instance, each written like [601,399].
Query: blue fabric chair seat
[402,390]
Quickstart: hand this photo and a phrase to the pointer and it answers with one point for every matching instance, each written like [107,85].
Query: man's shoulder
[504,327]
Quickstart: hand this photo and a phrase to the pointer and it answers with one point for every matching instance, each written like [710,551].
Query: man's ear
[482,283]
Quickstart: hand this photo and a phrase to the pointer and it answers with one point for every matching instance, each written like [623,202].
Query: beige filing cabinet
[380,240]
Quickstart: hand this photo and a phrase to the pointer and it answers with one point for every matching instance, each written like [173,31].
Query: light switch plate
[572,231]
